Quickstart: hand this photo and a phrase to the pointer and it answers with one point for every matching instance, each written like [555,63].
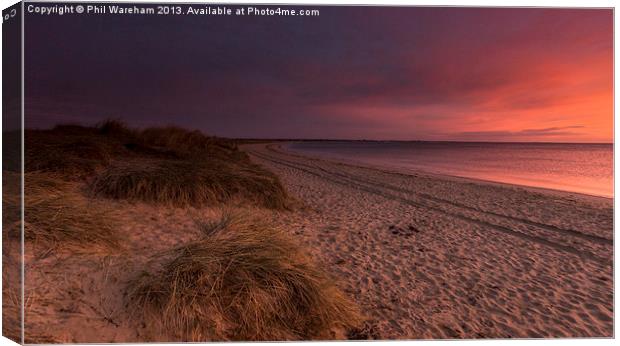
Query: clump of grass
[116,128]
[77,152]
[176,138]
[166,165]
[56,215]
[242,281]
[195,183]
[72,160]
[74,152]
[185,141]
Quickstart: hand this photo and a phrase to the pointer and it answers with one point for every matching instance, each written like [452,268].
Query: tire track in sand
[565,231]
[352,182]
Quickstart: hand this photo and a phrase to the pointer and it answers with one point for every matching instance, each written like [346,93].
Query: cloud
[411,72]
[548,130]
[521,134]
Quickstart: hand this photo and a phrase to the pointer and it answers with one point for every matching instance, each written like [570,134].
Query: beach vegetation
[242,280]
[164,165]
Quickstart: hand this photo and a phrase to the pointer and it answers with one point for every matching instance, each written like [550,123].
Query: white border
[477,3]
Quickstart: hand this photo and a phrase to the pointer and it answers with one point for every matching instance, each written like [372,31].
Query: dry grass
[186,142]
[242,281]
[176,138]
[78,152]
[195,183]
[167,165]
[11,313]
[117,128]
[71,151]
[11,287]
[11,204]
[11,256]
[58,215]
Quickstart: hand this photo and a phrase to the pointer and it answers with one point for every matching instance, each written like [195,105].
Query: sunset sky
[352,73]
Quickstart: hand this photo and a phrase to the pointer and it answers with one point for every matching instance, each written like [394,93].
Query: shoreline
[431,257]
[411,171]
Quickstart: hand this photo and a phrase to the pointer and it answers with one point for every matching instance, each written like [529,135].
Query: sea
[581,168]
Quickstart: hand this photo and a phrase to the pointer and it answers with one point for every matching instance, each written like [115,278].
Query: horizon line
[340,139]
[403,140]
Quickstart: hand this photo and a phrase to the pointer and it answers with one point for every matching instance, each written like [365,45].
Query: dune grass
[11,308]
[56,214]
[187,142]
[11,256]
[71,151]
[176,138]
[165,165]
[11,204]
[243,280]
[117,128]
[195,183]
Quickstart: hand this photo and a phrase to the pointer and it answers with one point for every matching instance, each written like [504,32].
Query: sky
[385,73]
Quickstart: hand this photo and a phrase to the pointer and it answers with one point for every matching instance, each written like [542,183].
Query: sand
[431,256]
[425,256]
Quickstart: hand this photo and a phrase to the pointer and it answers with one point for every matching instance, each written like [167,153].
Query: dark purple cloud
[352,72]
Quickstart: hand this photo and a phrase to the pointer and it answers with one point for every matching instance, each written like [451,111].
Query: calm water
[584,168]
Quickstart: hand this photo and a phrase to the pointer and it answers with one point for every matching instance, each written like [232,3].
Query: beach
[297,172]
[431,256]
[423,256]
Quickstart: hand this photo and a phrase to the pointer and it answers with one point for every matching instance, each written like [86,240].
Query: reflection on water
[583,168]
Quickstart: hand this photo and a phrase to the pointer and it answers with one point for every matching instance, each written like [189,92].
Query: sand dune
[157,235]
